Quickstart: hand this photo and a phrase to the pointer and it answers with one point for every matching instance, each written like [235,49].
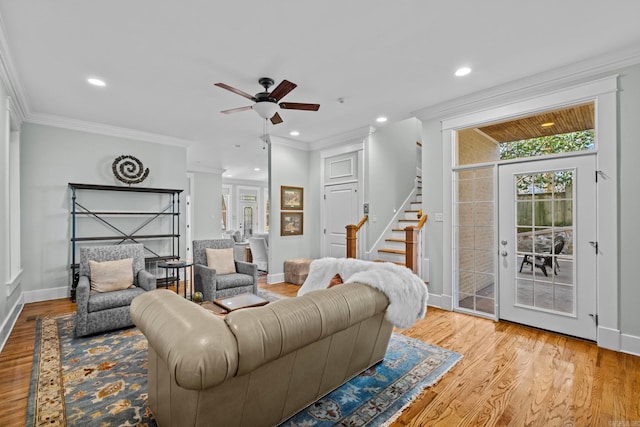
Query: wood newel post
[351,240]
[411,243]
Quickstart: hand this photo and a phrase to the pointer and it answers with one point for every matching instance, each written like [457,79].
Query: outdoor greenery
[563,143]
[544,145]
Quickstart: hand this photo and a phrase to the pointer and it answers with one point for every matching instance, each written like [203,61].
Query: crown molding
[534,85]
[204,169]
[345,137]
[9,77]
[102,129]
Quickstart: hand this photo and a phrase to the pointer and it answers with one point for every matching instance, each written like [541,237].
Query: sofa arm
[247,268]
[146,280]
[204,279]
[83,290]
[197,347]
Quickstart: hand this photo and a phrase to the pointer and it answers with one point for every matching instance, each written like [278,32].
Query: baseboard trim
[434,301]
[10,322]
[609,338]
[275,278]
[630,344]
[45,294]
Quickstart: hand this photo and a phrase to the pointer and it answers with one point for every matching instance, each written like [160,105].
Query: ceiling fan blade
[236,91]
[276,119]
[236,110]
[282,90]
[299,106]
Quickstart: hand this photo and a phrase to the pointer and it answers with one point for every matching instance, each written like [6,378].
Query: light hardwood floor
[510,375]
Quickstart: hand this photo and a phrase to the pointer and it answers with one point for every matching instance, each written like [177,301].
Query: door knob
[504,253]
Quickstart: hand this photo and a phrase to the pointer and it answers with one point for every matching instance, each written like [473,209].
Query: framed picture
[291,223]
[291,198]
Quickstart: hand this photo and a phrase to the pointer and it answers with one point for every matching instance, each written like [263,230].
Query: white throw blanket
[406,292]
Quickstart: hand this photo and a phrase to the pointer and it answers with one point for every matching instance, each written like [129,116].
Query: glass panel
[475,239]
[543,213]
[544,255]
[485,305]
[524,292]
[466,261]
[465,237]
[466,283]
[543,295]
[484,237]
[484,262]
[483,189]
[563,299]
[483,213]
[465,191]
[248,222]
[524,213]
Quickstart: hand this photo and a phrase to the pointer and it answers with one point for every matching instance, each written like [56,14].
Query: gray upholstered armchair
[214,285]
[104,311]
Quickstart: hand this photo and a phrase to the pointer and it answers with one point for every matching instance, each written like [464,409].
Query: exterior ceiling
[161,59]
[573,119]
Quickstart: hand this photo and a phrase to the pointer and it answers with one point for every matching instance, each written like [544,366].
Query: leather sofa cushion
[207,355]
[266,333]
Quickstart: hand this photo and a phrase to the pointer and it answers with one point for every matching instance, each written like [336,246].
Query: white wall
[206,204]
[629,200]
[53,157]
[390,172]
[432,201]
[291,167]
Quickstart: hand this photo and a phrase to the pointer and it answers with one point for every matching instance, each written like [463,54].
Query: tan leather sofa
[256,366]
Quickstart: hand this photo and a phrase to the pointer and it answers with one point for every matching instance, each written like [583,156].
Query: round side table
[176,266]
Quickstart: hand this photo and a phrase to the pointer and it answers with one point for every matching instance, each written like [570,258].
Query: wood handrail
[352,231]
[411,243]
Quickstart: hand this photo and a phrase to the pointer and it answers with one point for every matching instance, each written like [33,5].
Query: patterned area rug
[102,381]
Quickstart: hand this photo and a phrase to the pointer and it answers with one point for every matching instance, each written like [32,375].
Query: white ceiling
[160,60]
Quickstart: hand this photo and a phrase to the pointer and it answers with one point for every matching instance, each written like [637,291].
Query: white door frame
[604,93]
[349,148]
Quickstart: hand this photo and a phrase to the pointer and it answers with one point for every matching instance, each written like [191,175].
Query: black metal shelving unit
[172,209]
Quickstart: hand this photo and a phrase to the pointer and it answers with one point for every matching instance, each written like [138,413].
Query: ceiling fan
[266,103]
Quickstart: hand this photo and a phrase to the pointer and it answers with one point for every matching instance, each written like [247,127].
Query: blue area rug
[102,380]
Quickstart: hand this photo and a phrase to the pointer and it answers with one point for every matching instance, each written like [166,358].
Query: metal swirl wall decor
[129,169]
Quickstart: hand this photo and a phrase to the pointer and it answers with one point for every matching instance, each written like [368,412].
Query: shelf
[169,231]
[118,188]
[125,213]
[136,236]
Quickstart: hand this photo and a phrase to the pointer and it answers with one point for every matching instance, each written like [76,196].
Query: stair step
[394,240]
[409,220]
[392,251]
[397,263]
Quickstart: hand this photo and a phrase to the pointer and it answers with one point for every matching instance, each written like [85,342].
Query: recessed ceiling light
[294,133]
[381,119]
[463,71]
[547,125]
[256,169]
[96,82]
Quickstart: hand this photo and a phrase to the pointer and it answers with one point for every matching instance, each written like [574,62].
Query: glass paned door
[547,265]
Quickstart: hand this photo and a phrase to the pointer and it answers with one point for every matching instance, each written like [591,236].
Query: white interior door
[341,209]
[547,235]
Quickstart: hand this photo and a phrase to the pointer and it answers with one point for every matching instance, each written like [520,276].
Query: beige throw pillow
[111,275]
[221,260]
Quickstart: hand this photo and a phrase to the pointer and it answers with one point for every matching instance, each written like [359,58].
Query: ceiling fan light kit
[266,103]
[265,109]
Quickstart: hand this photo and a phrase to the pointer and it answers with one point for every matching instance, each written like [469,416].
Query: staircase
[393,249]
